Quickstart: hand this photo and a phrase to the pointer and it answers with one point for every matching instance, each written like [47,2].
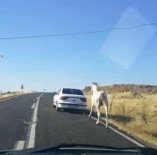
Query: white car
[69,98]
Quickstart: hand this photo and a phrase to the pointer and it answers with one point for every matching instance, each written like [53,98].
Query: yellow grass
[5,96]
[136,115]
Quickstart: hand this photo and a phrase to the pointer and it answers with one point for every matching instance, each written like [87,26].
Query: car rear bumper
[71,106]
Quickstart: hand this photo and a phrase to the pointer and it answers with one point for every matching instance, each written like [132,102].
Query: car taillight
[83,99]
[63,98]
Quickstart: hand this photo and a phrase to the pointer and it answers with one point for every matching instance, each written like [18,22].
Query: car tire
[57,109]
[53,105]
[84,112]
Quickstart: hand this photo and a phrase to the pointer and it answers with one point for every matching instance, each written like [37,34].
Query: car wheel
[57,109]
[53,104]
[84,112]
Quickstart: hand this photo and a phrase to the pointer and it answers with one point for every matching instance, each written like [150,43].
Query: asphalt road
[52,127]
[12,113]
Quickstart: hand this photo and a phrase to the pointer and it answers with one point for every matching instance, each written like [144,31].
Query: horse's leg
[98,114]
[91,110]
[106,111]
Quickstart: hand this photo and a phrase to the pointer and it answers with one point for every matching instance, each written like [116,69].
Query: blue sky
[75,61]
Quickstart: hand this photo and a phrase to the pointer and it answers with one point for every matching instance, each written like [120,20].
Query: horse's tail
[105,99]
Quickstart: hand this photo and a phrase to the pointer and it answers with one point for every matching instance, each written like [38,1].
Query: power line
[77,33]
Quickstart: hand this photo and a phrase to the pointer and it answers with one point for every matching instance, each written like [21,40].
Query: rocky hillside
[126,88]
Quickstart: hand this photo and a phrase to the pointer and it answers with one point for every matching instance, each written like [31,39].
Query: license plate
[75,107]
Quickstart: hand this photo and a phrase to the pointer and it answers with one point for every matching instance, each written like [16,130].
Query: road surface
[31,121]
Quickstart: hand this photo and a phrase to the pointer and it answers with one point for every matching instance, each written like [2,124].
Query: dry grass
[136,115]
[5,96]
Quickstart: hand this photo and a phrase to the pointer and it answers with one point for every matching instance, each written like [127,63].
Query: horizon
[34,91]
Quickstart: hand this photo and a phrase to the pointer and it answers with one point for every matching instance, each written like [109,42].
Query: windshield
[72,91]
[103,50]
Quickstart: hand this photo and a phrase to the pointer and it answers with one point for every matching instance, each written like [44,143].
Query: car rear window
[72,91]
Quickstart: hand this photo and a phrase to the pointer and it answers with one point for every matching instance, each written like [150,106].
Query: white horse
[98,99]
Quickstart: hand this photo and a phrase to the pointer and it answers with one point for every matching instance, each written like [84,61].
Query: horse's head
[94,86]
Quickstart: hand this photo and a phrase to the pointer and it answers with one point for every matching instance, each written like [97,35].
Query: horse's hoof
[89,116]
[97,123]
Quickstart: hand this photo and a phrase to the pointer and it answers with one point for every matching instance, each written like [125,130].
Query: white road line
[32,137]
[19,145]
[118,132]
[33,106]
[31,132]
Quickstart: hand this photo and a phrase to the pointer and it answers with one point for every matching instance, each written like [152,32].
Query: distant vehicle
[69,98]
